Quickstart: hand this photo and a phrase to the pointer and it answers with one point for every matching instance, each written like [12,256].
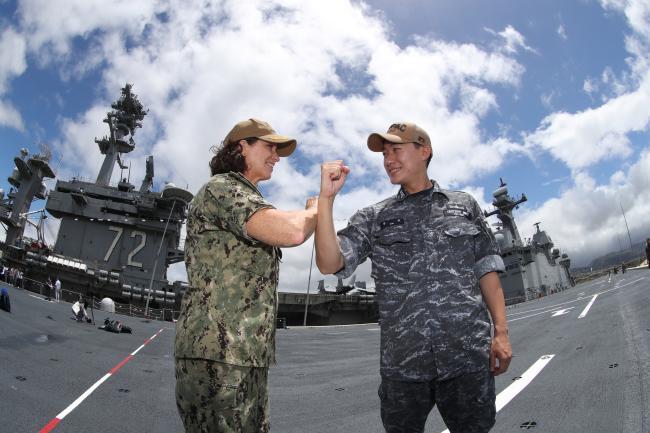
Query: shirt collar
[402,193]
[243,179]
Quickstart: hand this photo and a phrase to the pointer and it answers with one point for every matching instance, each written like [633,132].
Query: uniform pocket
[460,238]
[461,229]
[393,237]
[392,251]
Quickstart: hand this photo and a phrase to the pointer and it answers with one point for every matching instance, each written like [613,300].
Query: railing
[71,296]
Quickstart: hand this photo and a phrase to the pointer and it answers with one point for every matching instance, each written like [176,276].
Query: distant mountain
[617,257]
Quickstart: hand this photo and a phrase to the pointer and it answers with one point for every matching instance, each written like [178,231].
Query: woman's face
[260,158]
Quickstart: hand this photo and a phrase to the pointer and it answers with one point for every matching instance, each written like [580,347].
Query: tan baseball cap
[404,132]
[262,130]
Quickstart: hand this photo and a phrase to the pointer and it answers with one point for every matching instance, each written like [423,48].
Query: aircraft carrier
[581,364]
[114,240]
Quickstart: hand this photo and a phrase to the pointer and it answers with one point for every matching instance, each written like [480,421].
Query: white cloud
[587,137]
[12,64]
[308,69]
[547,99]
[512,40]
[561,31]
[9,116]
[590,86]
[200,67]
[587,217]
[12,56]
[636,11]
[55,25]
[77,139]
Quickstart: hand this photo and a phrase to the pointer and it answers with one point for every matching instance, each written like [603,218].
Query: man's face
[405,163]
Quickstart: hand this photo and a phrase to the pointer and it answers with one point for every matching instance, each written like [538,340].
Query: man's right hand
[332,178]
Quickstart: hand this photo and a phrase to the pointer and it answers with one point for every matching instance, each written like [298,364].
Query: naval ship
[114,240]
[533,268]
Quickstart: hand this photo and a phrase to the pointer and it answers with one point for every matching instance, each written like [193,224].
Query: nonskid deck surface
[582,364]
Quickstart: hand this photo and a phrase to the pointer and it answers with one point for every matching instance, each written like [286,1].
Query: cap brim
[286,145]
[376,141]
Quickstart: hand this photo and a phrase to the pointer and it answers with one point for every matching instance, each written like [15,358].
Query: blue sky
[552,96]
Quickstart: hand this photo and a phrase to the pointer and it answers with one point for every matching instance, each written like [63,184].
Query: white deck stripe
[586,310]
[511,392]
[136,350]
[82,397]
[550,310]
[90,390]
[554,307]
[515,388]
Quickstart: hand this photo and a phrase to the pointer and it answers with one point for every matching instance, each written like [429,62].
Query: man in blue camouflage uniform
[435,264]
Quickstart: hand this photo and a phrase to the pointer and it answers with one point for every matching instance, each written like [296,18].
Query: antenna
[625,219]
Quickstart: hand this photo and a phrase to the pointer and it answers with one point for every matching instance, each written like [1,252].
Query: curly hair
[228,157]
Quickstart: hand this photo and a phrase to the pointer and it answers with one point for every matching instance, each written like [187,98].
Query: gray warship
[114,240]
[533,268]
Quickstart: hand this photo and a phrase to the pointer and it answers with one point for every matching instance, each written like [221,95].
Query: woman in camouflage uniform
[225,336]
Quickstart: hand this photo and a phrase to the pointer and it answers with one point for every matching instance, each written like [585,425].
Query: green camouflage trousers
[213,397]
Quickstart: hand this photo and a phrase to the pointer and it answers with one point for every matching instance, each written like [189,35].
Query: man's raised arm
[328,254]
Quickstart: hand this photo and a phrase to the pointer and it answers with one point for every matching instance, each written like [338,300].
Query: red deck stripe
[53,423]
[50,426]
[118,366]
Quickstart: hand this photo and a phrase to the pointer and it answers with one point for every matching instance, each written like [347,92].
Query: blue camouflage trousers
[214,397]
[466,403]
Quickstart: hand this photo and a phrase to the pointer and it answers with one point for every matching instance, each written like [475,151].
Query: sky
[553,97]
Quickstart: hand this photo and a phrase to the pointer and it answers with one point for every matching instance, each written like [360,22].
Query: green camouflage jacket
[228,312]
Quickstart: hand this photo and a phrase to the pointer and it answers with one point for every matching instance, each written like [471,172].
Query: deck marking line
[122,362]
[516,387]
[552,307]
[82,397]
[147,341]
[536,314]
[586,310]
[54,421]
[137,350]
[50,425]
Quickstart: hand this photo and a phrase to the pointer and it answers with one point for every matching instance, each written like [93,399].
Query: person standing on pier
[57,289]
[435,264]
[225,335]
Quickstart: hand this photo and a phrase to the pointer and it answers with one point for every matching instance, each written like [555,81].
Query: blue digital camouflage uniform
[428,251]
[228,313]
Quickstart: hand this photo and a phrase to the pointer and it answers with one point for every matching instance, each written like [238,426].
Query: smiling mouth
[393,170]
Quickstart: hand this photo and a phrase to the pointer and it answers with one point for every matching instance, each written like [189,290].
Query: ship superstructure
[114,240]
[533,268]
[26,187]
